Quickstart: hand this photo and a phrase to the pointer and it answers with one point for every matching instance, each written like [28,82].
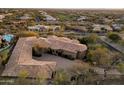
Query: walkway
[113,45]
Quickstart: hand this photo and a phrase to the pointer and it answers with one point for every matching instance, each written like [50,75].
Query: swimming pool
[8,37]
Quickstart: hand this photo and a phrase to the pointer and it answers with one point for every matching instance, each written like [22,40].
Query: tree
[61,78]
[121,42]
[120,67]
[99,55]
[89,39]
[116,58]
[114,36]
[80,73]
[23,73]
[1,60]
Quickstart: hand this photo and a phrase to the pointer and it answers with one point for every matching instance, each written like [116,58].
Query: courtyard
[61,63]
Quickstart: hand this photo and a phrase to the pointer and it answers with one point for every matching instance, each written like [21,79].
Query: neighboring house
[25,17]
[9,14]
[106,20]
[49,18]
[43,28]
[82,18]
[121,18]
[42,12]
[37,28]
[117,27]
[2,17]
[101,28]
[1,20]
[19,22]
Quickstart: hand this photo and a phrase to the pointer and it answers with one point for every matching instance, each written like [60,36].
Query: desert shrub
[4,56]
[59,34]
[61,78]
[89,39]
[80,73]
[22,77]
[23,74]
[99,56]
[116,57]
[2,32]
[114,36]
[50,33]
[121,42]
[120,67]
[95,46]
[40,79]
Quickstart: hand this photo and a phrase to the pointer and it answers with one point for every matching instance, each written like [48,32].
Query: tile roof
[21,57]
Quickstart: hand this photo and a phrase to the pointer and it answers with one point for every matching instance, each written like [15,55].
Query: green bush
[4,56]
[114,36]
[89,39]
[22,77]
[61,78]
[100,56]
[120,67]
[95,46]
[121,42]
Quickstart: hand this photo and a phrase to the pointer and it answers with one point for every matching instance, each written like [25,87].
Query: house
[49,18]
[18,22]
[42,12]
[8,14]
[66,47]
[43,28]
[2,17]
[107,20]
[25,17]
[121,18]
[82,18]
[117,27]
[37,28]
[21,58]
[101,28]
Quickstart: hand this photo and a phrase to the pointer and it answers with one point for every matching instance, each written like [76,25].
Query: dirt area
[62,63]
